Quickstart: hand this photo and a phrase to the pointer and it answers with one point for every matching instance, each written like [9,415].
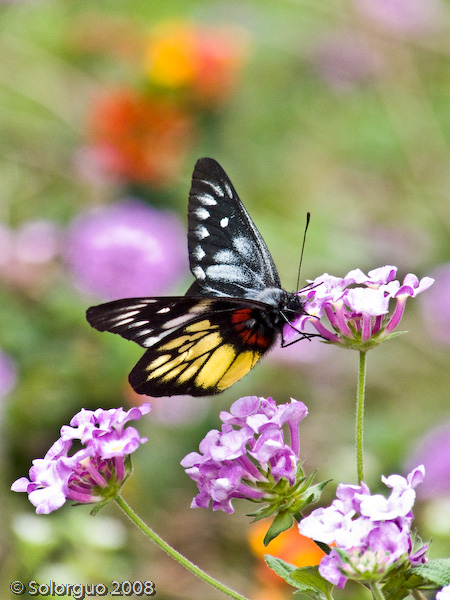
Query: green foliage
[288,502]
[435,573]
[306,579]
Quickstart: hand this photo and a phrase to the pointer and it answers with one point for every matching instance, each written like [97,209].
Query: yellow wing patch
[200,326]
[192,369]
[217,365]
[166,367]
[200,358]
[241,365]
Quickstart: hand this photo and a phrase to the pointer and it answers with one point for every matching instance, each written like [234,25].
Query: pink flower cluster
[93,474]
[248,455]
[353,311]
[371,533]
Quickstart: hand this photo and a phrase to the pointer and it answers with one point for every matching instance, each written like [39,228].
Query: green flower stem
[360,396]
[187,564]
[417,595]
[377,594]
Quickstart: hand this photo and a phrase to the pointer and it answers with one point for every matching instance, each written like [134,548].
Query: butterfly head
[294,306]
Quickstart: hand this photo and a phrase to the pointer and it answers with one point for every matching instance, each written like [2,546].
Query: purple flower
[354,311]
[344,60]
[371,533]
[93,474]
[28,255]
[33,243]
[37,242]
[126,250]
[407,17]
[433,450]
[249,457]
[8,374]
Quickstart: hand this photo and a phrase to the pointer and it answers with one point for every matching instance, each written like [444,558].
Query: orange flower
[289,546]
[139,138]
[171,57]
[203,60]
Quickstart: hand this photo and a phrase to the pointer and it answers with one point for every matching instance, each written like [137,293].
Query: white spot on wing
[225,256]
[161,311]
[177,321]
[216,188]
[200,307]
[207,199]
[138,324]
[143,332]
[123,322]
[228,189]
[198,253]
[201,232]
[151,341]
[224,222]
[143,304]
[227,273]
[123,316]
[199,273]
[202,214]
[244,247]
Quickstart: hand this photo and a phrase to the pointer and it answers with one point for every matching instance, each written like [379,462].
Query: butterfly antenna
[308,217]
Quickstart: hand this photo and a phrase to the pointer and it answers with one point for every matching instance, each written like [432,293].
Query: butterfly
[234,312]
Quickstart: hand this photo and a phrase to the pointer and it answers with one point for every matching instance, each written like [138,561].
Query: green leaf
[262,513]
[435,571]
[306,580]
[394,334]
[281,568]
[400,586]
[98,506]
[309,578]
[401,580]
[324,547]
[281,522]
[316,490]
[311,495]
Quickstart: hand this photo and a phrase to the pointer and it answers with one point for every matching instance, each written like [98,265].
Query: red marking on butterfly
[248,329]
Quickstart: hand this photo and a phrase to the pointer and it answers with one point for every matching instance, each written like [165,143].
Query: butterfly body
[234,312]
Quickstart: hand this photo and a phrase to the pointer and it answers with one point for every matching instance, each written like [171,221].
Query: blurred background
[338,107]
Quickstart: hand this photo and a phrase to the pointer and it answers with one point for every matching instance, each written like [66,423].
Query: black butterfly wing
[145,321]
[196,346]
[228,256]
[202,343]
